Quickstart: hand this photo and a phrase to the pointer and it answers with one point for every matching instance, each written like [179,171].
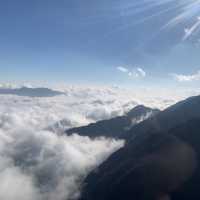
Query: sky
[115,42]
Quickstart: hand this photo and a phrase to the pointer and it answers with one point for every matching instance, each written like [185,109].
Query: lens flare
[186,11]
[182,13]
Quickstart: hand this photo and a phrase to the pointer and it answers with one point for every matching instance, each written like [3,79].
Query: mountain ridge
[30,92]
[124,174]
[115,127]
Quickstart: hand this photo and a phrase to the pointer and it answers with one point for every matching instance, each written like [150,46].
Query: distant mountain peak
[140,110]
[30,92]
[115,127]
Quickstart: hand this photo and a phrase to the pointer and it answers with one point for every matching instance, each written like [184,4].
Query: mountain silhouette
[159,161]
[117,126]
[30,92]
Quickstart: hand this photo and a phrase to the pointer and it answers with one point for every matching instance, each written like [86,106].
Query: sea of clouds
[38,162]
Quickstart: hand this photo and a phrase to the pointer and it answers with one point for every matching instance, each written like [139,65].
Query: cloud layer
[134,73]
[187,78]
[47,164]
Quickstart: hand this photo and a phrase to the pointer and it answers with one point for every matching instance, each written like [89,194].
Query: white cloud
[80,106]
[141,72]
[45,164]
[187,78]
[122,69]
[192,29]
[48,165]
[135,72]
[14,184]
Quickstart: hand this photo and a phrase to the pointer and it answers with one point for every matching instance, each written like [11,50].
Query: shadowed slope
[115,127]
[161,154]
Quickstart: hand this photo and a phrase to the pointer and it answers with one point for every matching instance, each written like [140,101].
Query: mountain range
[160,160]
[30,92]
[115,127]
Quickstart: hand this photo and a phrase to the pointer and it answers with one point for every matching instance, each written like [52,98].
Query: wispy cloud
[191,30]
[122,69]
[187,78]
[185,12]
[141,72]
[135,72]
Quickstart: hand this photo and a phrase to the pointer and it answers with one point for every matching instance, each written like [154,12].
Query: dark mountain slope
[163,152]
[190,133]
[171,117]
[117,126]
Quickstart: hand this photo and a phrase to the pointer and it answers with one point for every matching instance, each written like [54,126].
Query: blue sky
[77,41]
